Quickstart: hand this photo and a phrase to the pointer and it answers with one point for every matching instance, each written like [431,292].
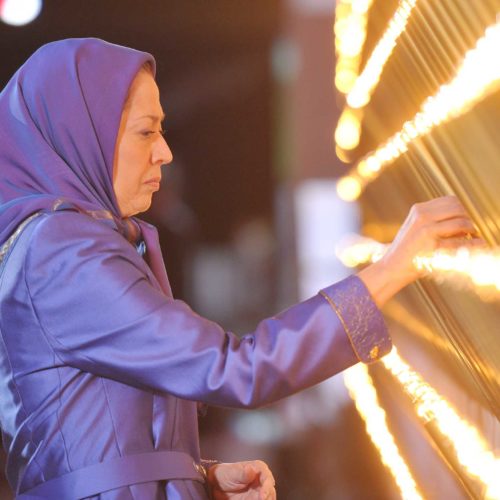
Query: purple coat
[98,363]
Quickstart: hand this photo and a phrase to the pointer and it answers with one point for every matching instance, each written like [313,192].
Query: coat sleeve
[100,312]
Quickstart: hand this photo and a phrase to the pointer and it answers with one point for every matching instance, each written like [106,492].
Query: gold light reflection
[362,391]
[478,75]
[349,187]
[364,85]
[401,315]
[469,446]
[348,131]
[481,267]
[350,35]
[355,250]
[474,268]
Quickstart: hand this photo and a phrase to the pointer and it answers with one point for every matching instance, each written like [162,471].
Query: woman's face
[141,149]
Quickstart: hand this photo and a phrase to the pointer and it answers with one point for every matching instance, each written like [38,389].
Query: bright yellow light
[364,85]
[348,188]
[361,6]
[474,268]
[348,130]
[350,36]
[469,446]
[362,391]
[478,75]
[355,250]
[344,79]
[353,38]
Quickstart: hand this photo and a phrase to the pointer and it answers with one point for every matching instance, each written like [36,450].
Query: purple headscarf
[59,120]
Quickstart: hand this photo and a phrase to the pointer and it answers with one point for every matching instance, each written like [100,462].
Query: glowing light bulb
[19,12]
[348,188]
[350,36]
[348,130]
[344,79]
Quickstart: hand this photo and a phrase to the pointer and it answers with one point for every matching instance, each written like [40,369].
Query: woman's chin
[138,207]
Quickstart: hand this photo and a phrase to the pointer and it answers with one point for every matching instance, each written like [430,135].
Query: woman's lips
[154,183]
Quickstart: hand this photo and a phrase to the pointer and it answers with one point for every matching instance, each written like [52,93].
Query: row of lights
[365,84]
[469,447]
[478,75]
[348,130]
[350,35]
[465,267]
[474,79]
[475,268]
[351,17]
[363,392]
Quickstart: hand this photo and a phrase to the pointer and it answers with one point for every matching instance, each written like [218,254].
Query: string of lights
[348,130]
[367,81]
[477,76]
[350,36]
[475,268]
[469,447]
[363,392]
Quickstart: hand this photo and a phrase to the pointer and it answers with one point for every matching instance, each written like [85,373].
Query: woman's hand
[241,481]
[439,223]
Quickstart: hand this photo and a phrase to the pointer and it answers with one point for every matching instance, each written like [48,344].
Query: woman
[101,368]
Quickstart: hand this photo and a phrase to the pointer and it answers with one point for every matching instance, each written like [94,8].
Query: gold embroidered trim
[6,246]
[348,333]
[375,352]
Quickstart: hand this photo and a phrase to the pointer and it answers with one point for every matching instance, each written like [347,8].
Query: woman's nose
[161,153]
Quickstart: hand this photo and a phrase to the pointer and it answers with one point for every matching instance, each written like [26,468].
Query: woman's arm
[97,305]
[98,309]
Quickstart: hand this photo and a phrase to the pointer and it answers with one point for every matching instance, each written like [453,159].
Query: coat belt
[116,473]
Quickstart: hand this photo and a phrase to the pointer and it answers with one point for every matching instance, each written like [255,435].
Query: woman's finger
[267,488]
[263,469]
[438,209]
[455,243]
[266,480]
[451,227]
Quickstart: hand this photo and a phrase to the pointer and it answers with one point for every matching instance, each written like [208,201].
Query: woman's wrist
[209,468]
[383,281]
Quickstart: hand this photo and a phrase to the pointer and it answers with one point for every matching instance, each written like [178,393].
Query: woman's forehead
[144,98]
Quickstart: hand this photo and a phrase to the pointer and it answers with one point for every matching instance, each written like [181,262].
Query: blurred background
[249,215]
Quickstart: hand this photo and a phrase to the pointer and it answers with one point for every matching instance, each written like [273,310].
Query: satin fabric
[98,362]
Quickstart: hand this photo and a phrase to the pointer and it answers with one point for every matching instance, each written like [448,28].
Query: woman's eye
[149,133]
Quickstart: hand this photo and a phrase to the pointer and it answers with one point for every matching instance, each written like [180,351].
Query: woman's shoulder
[68,234]
[68,239]
[65,225]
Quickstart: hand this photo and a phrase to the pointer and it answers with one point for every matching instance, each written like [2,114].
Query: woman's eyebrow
[155,118]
